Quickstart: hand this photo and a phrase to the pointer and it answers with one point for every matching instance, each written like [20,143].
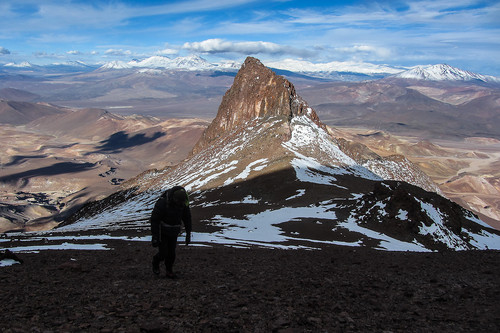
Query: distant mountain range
[192,63]
[341,71]
[443,72]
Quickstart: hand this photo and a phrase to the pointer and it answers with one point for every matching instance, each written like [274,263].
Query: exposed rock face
[257,92]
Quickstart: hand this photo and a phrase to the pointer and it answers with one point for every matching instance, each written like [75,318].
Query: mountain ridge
[20,113]
[280,179]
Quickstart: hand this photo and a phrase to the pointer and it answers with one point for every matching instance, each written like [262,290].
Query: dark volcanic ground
[252,290]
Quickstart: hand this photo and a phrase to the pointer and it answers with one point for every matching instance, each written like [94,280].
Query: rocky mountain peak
[257,92]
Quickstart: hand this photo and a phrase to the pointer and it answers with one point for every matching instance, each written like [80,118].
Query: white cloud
[167,51]
[217,45]
[74,52]
[48,55]
[380,52]
[254,27]
[458,13]
[3,50]
[192,6]
[118,52]
[59,38]
[56,15]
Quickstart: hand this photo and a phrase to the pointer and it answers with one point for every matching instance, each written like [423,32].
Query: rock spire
[257,92]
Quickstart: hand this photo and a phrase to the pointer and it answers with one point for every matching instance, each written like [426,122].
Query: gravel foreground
[222,289]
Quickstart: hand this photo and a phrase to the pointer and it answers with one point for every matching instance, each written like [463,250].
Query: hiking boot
[156,267]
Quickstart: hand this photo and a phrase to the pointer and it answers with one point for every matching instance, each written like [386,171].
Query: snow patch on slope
[402,171]
[386,242]
[8,262]
[437,229]
[259,165]
[63,246]
[484,240]
[307,140]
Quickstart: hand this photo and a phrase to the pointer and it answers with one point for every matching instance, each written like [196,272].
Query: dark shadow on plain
[18,159]
[121,140]
[52,170]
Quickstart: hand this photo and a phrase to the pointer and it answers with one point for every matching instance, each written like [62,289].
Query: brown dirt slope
[252,290]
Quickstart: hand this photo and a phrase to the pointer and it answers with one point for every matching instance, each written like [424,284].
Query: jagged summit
[116,64]
[257,92]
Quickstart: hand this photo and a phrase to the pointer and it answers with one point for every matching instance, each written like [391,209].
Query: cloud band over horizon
[217,45]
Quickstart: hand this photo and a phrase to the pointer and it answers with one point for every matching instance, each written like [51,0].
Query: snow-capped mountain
[229,64]
[192,63]
[443,72]
[326,70]
[303,66]
[23,64]
[334,70]
[116,64]
[267,172]
[75,64]
[66,67]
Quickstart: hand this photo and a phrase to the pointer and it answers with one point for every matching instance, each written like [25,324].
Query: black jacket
[166,211]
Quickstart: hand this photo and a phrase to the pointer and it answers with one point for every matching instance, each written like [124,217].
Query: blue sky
[462,33]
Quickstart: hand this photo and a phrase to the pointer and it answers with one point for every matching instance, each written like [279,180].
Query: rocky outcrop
[257,92]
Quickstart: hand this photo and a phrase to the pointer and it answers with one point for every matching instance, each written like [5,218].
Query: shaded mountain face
[17,95]
[20,113]
[267,172]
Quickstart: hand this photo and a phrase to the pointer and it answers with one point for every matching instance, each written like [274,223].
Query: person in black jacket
[171,209]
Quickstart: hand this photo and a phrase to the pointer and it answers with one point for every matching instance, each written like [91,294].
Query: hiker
[170,210]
